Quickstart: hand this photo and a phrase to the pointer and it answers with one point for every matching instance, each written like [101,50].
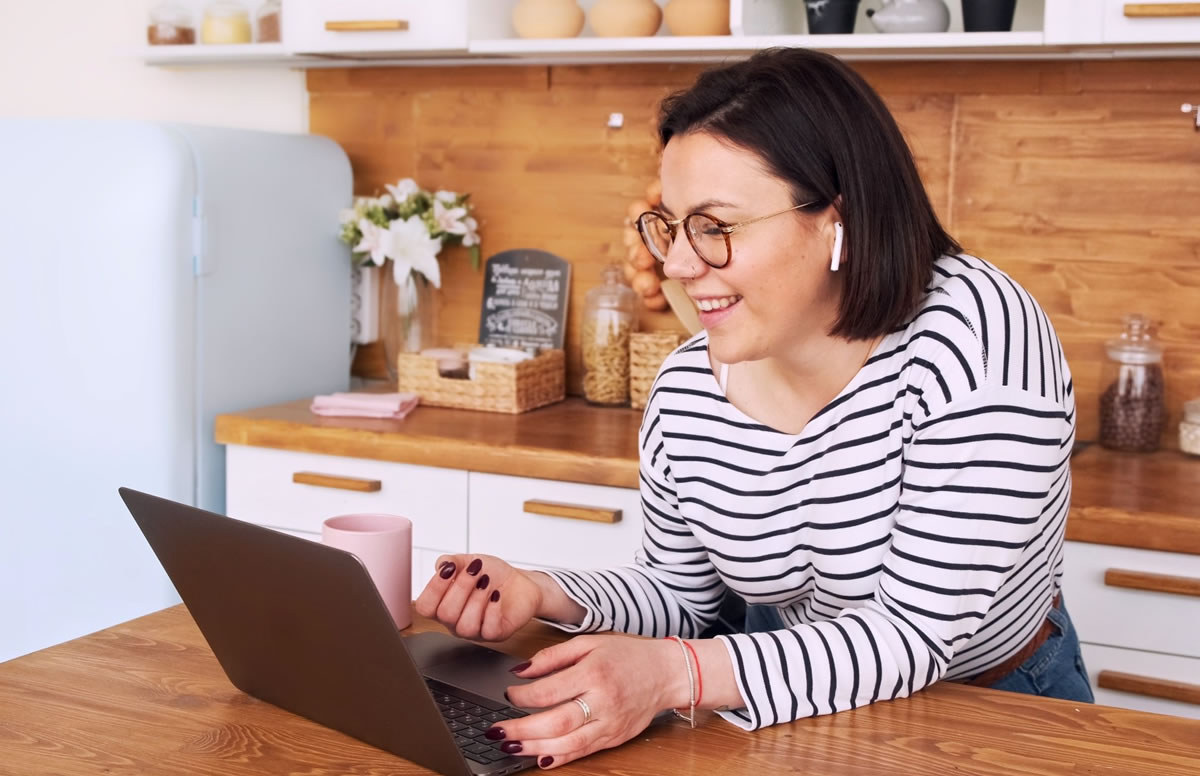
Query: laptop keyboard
[468,716]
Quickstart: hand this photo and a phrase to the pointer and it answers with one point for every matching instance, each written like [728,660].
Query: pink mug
[384,545]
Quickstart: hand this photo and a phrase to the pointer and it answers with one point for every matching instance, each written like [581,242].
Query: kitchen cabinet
[346,33]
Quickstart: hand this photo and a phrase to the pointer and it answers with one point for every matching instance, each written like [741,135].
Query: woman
[869,443]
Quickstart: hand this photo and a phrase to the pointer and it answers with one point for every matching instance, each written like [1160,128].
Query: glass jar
[1133,408]
[225,21]
[170,24]
[267,22]
[1189,428]
[609,315]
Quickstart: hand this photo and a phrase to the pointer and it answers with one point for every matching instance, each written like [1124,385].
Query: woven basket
[647,351]
[510,388]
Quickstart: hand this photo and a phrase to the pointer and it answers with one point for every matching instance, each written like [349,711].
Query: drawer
[501,526]
[374,27]
[259,488]
[1149,665]
[1116,616]
[1166,22]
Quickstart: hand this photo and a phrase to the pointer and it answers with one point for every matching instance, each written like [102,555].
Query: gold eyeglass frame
[724,228]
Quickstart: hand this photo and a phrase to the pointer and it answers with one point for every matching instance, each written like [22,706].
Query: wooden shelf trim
[1167,689]
[572,511]
[1158,583]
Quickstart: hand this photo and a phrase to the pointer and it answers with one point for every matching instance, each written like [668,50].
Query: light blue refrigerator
[152,276]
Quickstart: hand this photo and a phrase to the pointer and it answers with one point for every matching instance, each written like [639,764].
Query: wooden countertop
[148,697]
[1150,501]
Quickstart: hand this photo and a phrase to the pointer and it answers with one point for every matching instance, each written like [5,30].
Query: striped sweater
[912,532]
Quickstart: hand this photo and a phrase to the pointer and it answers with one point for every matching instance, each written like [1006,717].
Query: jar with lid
[267,22]
[170,24]
[609,315]
[225,21]
[1133,407]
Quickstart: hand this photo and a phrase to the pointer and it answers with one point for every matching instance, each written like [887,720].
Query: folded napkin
[365,405]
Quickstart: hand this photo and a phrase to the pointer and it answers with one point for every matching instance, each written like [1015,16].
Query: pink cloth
[365,405]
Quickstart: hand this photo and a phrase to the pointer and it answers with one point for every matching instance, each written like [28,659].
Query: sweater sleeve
[983,477]
[672,587]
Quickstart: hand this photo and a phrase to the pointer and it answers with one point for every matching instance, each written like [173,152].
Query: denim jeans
[1055,670]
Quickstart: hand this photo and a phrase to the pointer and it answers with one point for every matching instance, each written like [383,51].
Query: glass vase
[408,315]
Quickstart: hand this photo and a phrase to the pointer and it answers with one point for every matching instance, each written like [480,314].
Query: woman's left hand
[624,680]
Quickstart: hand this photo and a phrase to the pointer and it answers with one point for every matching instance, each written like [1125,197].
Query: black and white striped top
[912,532]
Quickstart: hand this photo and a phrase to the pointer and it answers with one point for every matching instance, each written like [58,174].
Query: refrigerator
[152,276]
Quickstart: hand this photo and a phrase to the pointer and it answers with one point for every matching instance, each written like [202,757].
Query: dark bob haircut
[819,126]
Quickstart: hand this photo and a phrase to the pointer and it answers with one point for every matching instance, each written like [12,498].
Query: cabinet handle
[573,511]
[1158,583]
[334,481]
[367,25]
[1161,10]
[1148,685]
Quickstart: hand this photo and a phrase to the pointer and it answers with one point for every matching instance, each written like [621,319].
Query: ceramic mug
[384,545]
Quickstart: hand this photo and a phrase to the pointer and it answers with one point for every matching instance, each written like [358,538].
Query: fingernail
[494,733]
[512,747]
[546,761]
[447,570]
[521,667]
[483,582]
[475,566]
[495,596]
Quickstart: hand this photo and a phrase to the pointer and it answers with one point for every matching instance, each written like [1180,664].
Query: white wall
[79,58]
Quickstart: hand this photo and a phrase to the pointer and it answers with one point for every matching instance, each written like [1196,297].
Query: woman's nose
[682,262]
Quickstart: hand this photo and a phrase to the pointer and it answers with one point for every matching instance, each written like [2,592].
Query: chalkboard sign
[525,300]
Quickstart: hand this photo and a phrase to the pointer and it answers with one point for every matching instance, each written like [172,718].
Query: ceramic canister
[625,18]
[548,18]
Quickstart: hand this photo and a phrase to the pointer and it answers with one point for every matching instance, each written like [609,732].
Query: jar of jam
[1133,406]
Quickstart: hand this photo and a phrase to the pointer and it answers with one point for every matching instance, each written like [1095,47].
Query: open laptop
[300,625]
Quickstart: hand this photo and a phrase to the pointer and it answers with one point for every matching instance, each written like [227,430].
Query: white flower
[385,201]
[403,190]
[449,197]
[448,220]
[470,236]
[347,215]
[411,249]
[375,241]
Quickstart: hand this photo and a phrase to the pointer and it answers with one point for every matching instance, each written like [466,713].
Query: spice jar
[170,24]
[267,22]
[1133,402]
[225,21]
[1189,428]
[609,315]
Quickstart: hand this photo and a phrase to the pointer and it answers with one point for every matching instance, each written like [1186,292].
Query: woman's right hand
[480,597]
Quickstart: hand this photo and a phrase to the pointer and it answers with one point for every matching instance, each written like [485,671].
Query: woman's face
[777,291]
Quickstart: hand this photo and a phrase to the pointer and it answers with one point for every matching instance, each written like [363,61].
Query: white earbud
[838,234]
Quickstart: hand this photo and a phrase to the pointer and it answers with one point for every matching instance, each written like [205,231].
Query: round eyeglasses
[708,235]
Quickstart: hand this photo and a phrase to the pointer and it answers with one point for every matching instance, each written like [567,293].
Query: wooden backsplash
[1080,179]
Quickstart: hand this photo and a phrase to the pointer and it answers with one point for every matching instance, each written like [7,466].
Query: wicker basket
[510,388]
[647,351]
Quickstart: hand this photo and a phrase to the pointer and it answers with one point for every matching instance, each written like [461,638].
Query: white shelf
[213,54]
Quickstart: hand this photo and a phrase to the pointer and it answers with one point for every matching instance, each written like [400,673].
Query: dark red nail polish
[494,733]
[475,567]
[521,667]
[495,596]
[447,570]
[512,747]
[546,761]
[483,582]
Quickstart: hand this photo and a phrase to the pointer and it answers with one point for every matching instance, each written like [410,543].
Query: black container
[988,15]
[831,17]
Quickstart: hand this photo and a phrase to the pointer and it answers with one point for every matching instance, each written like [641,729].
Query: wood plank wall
[1080,179]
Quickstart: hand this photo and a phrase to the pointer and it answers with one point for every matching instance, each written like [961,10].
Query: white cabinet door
[374,27]
[501,526]
[1143,664]
[260,488]
[1151,21]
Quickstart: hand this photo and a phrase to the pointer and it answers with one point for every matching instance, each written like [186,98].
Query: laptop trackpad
[472,667]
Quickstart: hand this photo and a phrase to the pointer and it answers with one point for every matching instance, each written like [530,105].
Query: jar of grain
[170,24]
[1133,409]
[267,22]
[1189,428]
[225,21]
[609,315]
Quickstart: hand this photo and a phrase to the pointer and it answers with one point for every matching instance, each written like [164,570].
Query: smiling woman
[868,444]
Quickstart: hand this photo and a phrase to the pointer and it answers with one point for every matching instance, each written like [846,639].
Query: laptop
[301,626]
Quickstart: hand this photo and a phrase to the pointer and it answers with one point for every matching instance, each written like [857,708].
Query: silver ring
[587,710]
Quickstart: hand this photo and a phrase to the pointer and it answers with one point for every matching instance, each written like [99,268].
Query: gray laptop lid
[299,625]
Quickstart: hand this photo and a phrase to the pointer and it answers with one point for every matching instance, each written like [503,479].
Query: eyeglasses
[709,236]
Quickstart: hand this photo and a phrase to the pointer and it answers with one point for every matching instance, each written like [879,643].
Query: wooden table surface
[148,697]
[1151,501]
